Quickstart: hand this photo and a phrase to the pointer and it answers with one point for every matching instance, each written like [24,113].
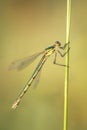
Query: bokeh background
[29,26]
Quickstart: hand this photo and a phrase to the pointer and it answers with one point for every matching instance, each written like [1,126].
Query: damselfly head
[57,43]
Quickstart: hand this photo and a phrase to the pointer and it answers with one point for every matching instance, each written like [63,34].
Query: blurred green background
[29,26]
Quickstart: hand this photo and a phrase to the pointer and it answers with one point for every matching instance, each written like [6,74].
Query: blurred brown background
[27,27]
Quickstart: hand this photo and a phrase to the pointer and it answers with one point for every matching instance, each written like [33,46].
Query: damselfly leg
[62,55]
[65,45]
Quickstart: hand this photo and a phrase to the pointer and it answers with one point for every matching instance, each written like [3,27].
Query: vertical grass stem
[68,18]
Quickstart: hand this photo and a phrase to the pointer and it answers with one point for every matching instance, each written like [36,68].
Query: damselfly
[22,63]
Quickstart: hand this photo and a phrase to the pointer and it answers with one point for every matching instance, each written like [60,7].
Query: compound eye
[57,42]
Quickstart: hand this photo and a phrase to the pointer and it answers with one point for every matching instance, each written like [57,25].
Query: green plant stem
[65,127]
